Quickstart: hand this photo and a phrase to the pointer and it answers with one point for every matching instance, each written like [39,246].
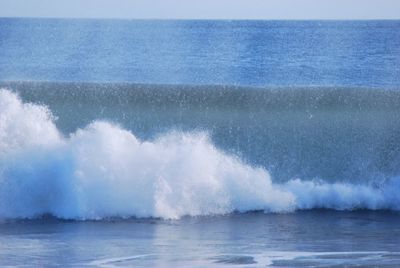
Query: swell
[102,171]
[332,134]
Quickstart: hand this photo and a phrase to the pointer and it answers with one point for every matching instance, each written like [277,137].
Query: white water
[104,171]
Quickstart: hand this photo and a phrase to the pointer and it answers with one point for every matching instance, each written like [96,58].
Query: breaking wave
[102,171]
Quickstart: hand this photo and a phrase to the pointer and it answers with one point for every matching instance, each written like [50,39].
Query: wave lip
[104,171]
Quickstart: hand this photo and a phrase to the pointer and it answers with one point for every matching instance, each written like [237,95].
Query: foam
[104,171]
[23,125]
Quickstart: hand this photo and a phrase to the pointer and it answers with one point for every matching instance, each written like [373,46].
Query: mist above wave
[103,171]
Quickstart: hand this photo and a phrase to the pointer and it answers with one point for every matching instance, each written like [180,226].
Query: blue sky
[204,9]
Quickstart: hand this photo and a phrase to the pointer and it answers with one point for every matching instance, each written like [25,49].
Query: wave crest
[104,171]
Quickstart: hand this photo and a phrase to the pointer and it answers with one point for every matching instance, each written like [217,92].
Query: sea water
[199,143]
[258,53]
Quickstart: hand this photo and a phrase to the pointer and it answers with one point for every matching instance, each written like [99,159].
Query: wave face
[102,170]
[330,134]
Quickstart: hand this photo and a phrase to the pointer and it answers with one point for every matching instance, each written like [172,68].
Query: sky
[203,9]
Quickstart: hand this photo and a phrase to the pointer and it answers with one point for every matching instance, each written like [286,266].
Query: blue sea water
[302,239]
[258,53]
[199,143]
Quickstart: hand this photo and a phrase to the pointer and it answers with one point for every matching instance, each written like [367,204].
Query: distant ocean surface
[199,143]
[257,53]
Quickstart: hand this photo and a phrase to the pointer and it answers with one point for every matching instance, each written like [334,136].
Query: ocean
[199,143]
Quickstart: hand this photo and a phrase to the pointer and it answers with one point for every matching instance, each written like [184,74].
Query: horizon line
[201,19]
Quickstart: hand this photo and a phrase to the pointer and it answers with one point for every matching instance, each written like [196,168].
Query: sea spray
[331,134]
[23,125]
[104,171]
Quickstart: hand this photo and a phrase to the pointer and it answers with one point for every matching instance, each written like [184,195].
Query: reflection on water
[302,239]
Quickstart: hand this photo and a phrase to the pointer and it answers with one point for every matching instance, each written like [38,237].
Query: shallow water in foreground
[318,238]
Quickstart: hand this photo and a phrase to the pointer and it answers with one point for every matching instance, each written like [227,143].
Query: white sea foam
[104,171]
[23,125]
